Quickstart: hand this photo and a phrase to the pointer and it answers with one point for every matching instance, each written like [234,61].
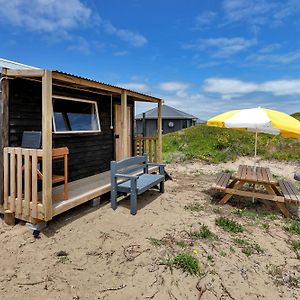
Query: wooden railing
[21,182]
[147,145]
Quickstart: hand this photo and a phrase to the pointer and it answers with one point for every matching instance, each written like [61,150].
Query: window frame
[56,97]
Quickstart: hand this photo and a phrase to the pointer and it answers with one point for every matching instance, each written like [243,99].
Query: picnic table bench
[281,191]
[131,175]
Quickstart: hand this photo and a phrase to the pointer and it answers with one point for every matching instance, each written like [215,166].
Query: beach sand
[98,253]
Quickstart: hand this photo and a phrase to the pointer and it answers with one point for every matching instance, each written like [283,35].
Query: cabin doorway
[118,132]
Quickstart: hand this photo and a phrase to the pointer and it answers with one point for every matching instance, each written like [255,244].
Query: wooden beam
[24,73]
[142,97]
[4,128]
[47,143]
[159,132]
[124,124]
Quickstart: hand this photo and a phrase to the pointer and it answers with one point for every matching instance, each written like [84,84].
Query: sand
[98,253]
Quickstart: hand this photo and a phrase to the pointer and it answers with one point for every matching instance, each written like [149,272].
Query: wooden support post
[47,143]
[159,132]
[4,128]
[9,218]
[124,124]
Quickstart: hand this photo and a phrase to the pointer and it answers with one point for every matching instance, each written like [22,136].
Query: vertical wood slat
[47,143]
[19,181]
[34,185]
[27,181]
[6,181]
[147,145]
[150,151]
[12,180]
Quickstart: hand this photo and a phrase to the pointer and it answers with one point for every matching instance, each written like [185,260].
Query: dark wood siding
[89,153]
[25,109]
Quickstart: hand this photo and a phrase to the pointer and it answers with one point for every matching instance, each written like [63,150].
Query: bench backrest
[129,166]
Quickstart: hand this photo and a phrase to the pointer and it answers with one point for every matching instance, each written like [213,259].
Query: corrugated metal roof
[168,112]
[4,63]
[107,84]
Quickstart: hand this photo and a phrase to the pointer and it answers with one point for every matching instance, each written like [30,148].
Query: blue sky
[203,57]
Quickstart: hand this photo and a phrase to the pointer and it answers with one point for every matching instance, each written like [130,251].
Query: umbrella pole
[255,149]
[255,157]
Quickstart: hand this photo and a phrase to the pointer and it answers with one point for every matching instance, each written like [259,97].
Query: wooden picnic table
[281,191]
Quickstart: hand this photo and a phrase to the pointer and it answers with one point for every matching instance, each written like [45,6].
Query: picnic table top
[254,174]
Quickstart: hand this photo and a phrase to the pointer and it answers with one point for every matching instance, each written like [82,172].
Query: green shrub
[187,263]
[229,225]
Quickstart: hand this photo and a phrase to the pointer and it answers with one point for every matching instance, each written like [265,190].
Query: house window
[171,124]
[75,115]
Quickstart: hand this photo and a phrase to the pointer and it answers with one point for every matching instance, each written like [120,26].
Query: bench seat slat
[222,181]
[290,193]
[144,182]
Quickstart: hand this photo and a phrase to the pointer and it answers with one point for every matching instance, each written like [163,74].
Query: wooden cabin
[84,125]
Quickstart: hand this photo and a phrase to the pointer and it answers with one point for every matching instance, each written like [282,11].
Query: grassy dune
[219,145]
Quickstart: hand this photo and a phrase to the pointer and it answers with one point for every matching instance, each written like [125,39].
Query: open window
[72,115]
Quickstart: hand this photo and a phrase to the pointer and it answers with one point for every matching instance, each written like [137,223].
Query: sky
[202,57]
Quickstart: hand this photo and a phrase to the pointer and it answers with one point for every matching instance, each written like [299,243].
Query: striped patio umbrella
[258,120]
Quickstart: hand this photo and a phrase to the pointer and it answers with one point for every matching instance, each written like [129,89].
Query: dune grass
[217,145]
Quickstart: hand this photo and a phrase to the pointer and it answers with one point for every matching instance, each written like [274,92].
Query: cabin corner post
[159,131]
[124,124]
[47,143]
[4,129]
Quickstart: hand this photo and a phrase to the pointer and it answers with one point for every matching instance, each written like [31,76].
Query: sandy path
[110,256]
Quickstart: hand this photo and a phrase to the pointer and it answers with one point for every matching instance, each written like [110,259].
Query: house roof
[11,65]
[168,112]
[4,63]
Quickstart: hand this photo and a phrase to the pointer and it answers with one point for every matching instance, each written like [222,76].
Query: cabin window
[75,116]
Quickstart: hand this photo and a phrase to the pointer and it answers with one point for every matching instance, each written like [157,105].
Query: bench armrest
[126,176]
[156,165]
[161,167]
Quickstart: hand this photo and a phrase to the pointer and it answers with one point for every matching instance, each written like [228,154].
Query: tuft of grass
[184,261]
[210,258]
[194,207]
[248,248]
[223,253]
[265,226]
[203,233]
[254,215]
[181,243]
[218,210]
[293,226]
[295,245]
[229,225]
[155,242]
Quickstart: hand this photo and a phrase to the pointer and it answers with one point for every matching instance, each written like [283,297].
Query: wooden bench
[135,179]
[289,191]
[222,181]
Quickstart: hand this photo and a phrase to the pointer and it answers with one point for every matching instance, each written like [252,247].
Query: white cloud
[228,86]
[260,12]
[172,86]
[45,15]
[139,87]
[285,58]
[231,88]
[205,19]
[224,47]
[135,39]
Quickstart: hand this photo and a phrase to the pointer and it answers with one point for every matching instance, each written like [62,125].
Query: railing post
[124,123]
[47,143]
[159,132]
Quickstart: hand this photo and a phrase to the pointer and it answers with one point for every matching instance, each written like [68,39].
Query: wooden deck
[82,190]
